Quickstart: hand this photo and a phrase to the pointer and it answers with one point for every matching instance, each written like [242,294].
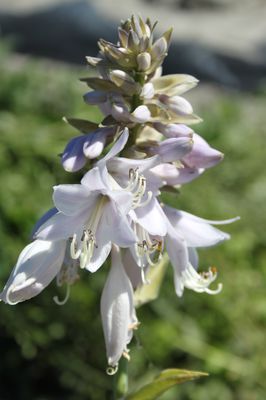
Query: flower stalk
[120,380]
[115,212]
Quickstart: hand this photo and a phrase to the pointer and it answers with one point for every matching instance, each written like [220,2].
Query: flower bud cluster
[143,146]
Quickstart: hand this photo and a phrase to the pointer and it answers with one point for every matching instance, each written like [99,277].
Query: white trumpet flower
[117,310]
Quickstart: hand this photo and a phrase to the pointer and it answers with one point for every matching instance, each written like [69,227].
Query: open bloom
[99,212]
[185,233]
[93,216]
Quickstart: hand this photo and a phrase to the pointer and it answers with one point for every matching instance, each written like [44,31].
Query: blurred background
[50,352]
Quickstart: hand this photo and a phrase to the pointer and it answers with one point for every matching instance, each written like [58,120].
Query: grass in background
[50,352]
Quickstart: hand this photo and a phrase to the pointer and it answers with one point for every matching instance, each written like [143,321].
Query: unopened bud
[147,91]
[144,61]
[133,40]
[120,78]
[177,104]
[159,48]
[173,130]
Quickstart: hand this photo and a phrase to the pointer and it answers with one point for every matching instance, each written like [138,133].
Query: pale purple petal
[117,147]
[141,114]
[173,130]
[196,231]
[61,227]
[73,158]
[94,144]
[72,199]
[167,172]
[99,257]
[132,269]
[95,179]
[117,309]
[117,226]
[178,255]
[193,257]
[123,199]
[121,165]
[37,266]
[172,149]
[202,155]
[120,112]
[186,175]
[42,220]
[102,248]
[151,217]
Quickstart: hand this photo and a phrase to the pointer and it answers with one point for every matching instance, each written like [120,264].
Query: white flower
[117,310]
[37,265]
[185,233]
[98,212]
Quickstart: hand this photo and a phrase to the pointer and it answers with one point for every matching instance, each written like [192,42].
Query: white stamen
[112,370]
[145,202]
[145,247]
[200,282]
[73,252]
[85,248]
[62,302]
[133,179]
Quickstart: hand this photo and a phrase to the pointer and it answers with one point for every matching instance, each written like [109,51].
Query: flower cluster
[142,147]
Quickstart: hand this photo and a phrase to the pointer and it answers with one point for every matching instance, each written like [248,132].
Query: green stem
[120,387]
[135,102]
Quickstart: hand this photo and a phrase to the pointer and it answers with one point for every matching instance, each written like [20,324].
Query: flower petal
[151,218]
[178,105]
[178,254]
[176,176]
[37,266]
[196,231]
[95,179]
[172,149]
[141,114]
[94,144]
[73,158]
[117,226]
[202,155]
[121,165]
[61,226]
[117,309]
[99,256]
[173,130]
[117,147]
[72,199]
[42,220]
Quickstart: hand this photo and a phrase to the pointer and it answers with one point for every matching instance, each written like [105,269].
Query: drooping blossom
[143,145]
[117,310]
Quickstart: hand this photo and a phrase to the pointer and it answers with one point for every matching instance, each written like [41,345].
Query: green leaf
[164,381]
[82,125]
[100,84]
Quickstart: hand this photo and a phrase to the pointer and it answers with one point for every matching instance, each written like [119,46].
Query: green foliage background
[50,352]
